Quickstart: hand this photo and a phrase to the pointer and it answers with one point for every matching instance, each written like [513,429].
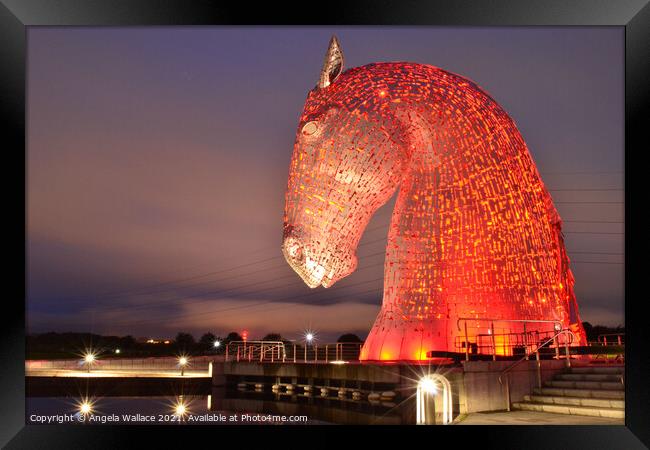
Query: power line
[260,303]
[593,232]
[302,296]
[587,190]
[596,262]
[596,253]
[593,221]
[139,290]
[584,172]
[265,269]
[222,291]
[589,203]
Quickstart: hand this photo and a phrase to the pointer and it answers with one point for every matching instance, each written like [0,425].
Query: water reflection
[222,406]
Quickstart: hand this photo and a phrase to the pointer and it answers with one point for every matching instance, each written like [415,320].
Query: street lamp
[309,338]
[180,407]
[217,344]
[85,408]
[182,362]
[89,359]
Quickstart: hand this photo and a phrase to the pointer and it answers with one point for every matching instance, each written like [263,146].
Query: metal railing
[276,351]
[618,339]
[126,364]
[509,341]
[555,341]
[256,351]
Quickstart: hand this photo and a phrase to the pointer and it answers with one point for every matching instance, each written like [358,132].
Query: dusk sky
[158,161]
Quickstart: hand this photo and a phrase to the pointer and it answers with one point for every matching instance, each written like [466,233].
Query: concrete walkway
[534,418]
[104,373]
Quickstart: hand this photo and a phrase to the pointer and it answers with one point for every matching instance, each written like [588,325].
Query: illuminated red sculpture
[474,233]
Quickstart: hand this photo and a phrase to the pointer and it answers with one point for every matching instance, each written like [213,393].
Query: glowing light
[428,385]
[180,407]
[85,406]
[338,362]
[474,231]
[183,360]
[309,337]
[217,344]
[424,403]
[117,350]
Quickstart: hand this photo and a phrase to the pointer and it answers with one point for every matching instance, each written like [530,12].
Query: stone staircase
[585,391]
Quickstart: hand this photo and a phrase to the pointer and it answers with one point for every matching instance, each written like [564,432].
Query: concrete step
[589,377]
[608,385]
[575,401]
[584,393]
[595,369]
[571,410]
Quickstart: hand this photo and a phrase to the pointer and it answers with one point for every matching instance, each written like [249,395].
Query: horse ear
[333,64]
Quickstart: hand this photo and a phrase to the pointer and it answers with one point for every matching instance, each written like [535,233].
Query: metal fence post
[525,342]
[494,343]
[539,369]
[508,391]
[466,343]
[568,356]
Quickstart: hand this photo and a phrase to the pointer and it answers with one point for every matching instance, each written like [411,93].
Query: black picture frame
[17,15]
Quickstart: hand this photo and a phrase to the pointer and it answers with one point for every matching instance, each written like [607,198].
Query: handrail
[557,325]
[548,341]
[604,341]
[250,350]
[525,358]
[486,319]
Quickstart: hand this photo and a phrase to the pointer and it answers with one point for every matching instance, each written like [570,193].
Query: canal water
[217,406]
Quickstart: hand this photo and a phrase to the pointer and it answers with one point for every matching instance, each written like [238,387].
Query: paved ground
[135,373]
[534,418]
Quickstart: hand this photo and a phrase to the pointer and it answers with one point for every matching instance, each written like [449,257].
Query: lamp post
[182,362]
[89,359]
[309,337]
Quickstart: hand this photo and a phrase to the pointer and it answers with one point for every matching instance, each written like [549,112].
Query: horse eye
[309,128]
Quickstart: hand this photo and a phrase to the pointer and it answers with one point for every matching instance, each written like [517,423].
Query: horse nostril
[295,250]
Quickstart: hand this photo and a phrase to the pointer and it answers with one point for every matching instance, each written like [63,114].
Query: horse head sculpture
[474,233]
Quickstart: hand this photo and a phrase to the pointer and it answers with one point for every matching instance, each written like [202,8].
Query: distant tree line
[593,331]
[73,345]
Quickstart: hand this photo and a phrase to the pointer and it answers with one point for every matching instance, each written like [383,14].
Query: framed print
[399,217]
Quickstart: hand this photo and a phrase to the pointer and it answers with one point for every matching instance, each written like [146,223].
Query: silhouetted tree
[349,337]
[272,337]
[593,331]
[127,341]
[184,341]
[207,341]
[233,336]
